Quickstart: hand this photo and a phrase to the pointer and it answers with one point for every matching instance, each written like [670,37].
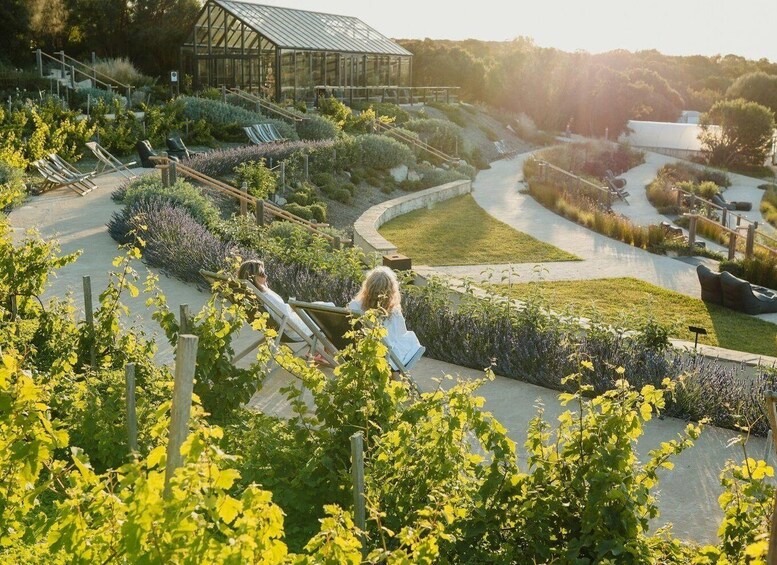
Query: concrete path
[688,494]
[79,222]
[497,191]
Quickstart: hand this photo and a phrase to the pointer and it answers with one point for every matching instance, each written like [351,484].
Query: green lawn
[459,232]
[626,302]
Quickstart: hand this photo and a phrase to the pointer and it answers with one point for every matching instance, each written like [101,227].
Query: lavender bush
[222,162]
[535,347]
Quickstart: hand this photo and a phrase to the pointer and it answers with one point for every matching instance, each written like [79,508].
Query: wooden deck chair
[256,305]
[69,171]
[107,163]
[54,178]
[329,325]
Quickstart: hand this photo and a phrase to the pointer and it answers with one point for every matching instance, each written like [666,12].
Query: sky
[678,27]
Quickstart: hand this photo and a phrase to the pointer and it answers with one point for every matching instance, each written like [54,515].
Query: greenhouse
[290,54]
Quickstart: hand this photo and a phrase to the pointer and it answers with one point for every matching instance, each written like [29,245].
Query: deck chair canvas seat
[256,305]
[177,148]
[253,137]
[262,133]
[271,133]
[329,325]
[107,163]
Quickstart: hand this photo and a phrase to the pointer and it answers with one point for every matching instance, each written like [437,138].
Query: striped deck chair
[253,136]
[107,163]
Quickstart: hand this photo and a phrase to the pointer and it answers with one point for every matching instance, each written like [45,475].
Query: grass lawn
[628,302]
[459,232]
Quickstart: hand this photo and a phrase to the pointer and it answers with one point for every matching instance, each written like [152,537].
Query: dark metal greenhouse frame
[284,53]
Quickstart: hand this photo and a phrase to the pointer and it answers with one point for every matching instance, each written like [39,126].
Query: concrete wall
[365,229]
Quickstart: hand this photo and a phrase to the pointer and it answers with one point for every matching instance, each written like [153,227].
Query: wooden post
[260,212]
[224,93]
[692,231]
[39,59]
[732,246]
[750,242]
[305,161]
[89,318]
[771,397]
[692,205]
[185,364]
[243,201]
[183,326]
[165,175]
[337,242]
[283,175]
[132,417]
[724,217]
[172,173]
[357,475]
[679,198]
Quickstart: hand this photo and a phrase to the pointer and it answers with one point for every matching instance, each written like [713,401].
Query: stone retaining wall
[365,229]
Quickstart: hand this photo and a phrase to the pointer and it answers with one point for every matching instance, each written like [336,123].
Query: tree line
[149,32]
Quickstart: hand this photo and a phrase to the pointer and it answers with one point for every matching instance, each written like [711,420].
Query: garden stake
[132,417]
[89,318]
[185,363]
[183,326]
[357,475]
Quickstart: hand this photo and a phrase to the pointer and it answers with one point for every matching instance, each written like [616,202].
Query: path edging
[365,228]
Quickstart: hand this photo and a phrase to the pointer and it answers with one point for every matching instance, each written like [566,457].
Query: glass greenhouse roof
[298,29]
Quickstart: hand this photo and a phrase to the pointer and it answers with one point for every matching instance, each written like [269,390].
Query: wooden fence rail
[573,181]
[170,170]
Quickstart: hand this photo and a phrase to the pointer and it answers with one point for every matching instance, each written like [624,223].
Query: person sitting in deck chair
[380,290]
[253,271]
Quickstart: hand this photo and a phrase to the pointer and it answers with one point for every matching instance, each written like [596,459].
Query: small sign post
[174,84]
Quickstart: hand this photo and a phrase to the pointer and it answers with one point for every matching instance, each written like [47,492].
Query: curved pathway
[498,191]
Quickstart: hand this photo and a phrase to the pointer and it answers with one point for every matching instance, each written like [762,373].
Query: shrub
[316,127]
[260,180]
[441,134]
[12,188]
[386,109]
[228,119]
[88,97]
[381,152]
[769,205]
[222,162]
[452,111]
[336,111]
[183,194]
[122,70]
[436,177]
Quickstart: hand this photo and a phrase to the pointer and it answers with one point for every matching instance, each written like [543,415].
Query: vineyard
[92,473]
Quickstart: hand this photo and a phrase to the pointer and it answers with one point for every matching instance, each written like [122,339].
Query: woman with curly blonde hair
[380,290]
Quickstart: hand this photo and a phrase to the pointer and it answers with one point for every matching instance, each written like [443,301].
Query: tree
[155,48]
[756,87]
[743,135]
[14,26]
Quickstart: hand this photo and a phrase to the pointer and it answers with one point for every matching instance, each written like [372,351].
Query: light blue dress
[402,342]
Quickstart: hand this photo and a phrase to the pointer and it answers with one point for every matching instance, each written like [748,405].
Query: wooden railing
[423,146]
[261,103]
[571,181]
[171,169]
[72,66]
[396,94]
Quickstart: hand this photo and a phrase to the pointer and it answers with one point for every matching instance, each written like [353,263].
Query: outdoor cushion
[738,295]
[711,289]
[144,152]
